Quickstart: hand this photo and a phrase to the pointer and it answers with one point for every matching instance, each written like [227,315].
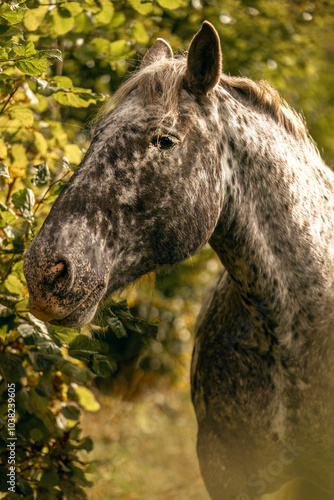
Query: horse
[186,155]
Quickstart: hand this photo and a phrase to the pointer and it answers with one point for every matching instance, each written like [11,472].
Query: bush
[51,369]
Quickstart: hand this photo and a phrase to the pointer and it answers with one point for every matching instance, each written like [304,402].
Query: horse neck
[276,227]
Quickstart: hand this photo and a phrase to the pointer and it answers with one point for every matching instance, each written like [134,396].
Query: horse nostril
[59,270]
[59,276]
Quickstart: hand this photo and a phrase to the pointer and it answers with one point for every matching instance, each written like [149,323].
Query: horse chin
[76,318]
[80,315]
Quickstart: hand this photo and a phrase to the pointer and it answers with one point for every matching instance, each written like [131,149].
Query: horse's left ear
[204,65]
[159,51]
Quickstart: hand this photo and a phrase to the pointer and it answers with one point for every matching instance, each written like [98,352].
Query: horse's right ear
[204,65]
[159,51]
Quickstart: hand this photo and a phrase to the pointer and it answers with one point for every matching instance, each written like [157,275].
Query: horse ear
[204,65]
[159,51]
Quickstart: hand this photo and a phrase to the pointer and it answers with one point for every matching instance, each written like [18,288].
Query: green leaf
[42,175]
[74,8]
[7,214]
[24,487]
[50,478]
[107,12]
[118,49]
[22,113]
[142,8]
[84,23]
[71,411]
[24,49]
[9,31]
[62,81]
[139,33]
[77,100]
[11,14]
[116,325]
[4,52]
[30,49]
[84,344]
[4,171]
[62,21]
[86,443]
[36,434]
[51,54]
[170,4]
[24,200]
[33,66]
[13,285]
[102,366]
[101,45]
[33,17]
[78,475]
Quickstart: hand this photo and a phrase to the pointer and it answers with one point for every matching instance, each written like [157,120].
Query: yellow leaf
[142,8]
[33,17]
[139,33]
[170,4]
[62,21]
[4,119]
[3,150]
[10,126]
[87,399]
[74,8]
[73,153]
[40,143]
[106,13]
[42,103]
[16,172]
[23,114]
[14,285]
[19,155]
[58,133]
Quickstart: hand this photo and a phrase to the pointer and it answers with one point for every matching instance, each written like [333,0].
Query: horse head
[147,193]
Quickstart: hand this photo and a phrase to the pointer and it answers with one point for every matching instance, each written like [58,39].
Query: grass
[145,449]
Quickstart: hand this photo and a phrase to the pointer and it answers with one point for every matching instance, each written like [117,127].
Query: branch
[10,96]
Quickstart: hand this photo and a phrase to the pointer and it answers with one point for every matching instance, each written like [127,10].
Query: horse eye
[164,142]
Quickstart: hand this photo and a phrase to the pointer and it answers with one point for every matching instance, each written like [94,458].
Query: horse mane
[163,81]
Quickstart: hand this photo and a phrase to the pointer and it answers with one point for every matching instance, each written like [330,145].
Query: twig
[47,191]
[10,190]
[10,96]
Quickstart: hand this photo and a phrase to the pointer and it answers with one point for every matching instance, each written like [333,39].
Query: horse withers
[186,155]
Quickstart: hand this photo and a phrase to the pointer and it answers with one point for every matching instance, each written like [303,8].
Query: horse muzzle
[62,290]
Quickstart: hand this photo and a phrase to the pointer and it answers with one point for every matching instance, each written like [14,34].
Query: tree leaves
[77,98]
[106,13]
[24,200]
[13,14]
[23,114]
[170,4]
[62,21]
[33,17]
[42,175]
[86,399]
[4,170]
[33,66]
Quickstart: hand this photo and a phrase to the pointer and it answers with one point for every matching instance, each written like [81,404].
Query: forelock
[160,82]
